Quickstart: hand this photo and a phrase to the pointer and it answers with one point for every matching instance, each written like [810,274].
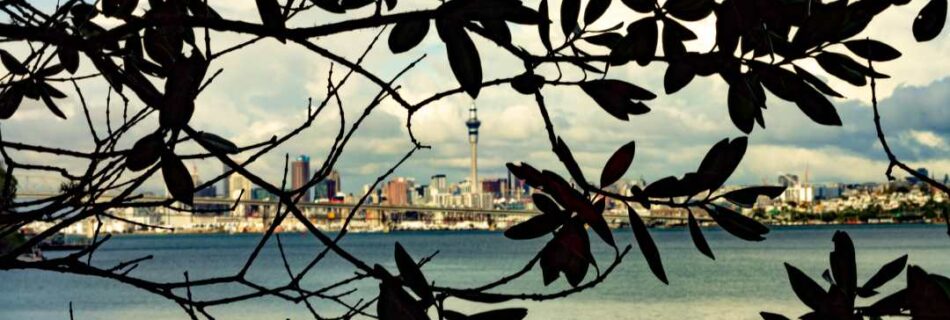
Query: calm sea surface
[744,279]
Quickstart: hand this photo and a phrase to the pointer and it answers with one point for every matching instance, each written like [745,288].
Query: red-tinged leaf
[544,29]
[872,50]
[570,10]
[407,34]
[12,64]
[772,316]
[594,217]
[737,224]
[930,20]
[145,152]
[534,227]
[394,303]
[887,272]
[10,100]
[817,83]
[696,233]
[594,10]
[177,178]
[411,275]
[567,157]
[647,246]
[463,56]
[527,173]
[843,264]
[69,58]
[616,97]
[807,290]
[545,204]
[746,197]
[569,252]
[618,164]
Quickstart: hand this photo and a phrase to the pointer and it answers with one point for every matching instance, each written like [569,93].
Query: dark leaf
[48,101]
[772,316]
[121,8]
[463,57]
[83,11]
[607,39]
[668,187]
[177,178]
[567,157]
[647,247]
[526,172]
[453,315]
[527,83]
[805,288]
[742,106]
[595,9]
[930,20]
[827,276]
[638,45]
[200,9]
[618,164]
[218,144]
[501,314]
[842,67]
[746,197]
[51,91]
[355,4]
[270,13]
[817,107]
[737,224]
[394,303]
[672,46]
[10,101]
[872,50]
[889,305]
[12,64]
[927,296]
[544,29]
[69,58]
[329,5]
[50,71]
[535,227]
[145,152]
[641,6]
[817,83]
[678,75]
[699,240]
[511,11]
[594,217]
[843,265]
[722,159]
[569,252]
[162,46]
[570,10]
[616,96]
[497,30]
[690,10]
[410,273]
[181,87]
[390,5]
[407,34]
[545,204]
[887,272]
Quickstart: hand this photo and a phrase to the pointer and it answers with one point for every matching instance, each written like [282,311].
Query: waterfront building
[300,174]
[396,192]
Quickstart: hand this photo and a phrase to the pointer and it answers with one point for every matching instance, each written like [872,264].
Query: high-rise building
[788,180]
[397,191]
[438,184]
[300,174]
[473,123]
[337,181]
[225,183]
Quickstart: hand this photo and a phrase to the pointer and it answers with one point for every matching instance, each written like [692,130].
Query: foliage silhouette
[157,57]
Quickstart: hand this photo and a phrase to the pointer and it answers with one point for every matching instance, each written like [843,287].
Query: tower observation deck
[473,123]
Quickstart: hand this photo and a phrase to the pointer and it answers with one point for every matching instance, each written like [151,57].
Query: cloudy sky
[263,91]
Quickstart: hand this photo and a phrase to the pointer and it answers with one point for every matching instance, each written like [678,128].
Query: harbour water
[744,279]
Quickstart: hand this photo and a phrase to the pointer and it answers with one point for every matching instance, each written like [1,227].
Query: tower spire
[473,123]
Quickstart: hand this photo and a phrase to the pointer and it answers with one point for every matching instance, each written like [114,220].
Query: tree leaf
[618,164]
[742,106]
[737,224]
[463,57]
[668,187]
[689,10]
[181,87]
[615,96]
[641,6]
[721,160]
[50,104]
[607,39]
[817,83]
[407,34]
[805,288]
[843,265]
[696,233]
[569,252]
[12,64]
[544,29]
[926,297]
[501,314]
[177,178]
[394,303]
[121,8]
[595,9]
[817,107]
[270,13]
[145,152]
[69,58]
[545,204]
[218,143]
[534,227]
[410,273]
[10,100]
[930,20]
[872,50]
[390,5]
[497,30]
[638,45]
[526,172]
[647,246]
[887,272]
[527,83]
[678,75]
[570,10]
[772,316]
[890,305]
[747,197]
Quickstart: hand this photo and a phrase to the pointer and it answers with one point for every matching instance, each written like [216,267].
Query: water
[745,278]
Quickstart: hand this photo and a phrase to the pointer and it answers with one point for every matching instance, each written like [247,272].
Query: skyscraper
[300,174]
[473,125]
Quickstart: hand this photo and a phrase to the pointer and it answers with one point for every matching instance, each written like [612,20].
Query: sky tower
[473,125]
